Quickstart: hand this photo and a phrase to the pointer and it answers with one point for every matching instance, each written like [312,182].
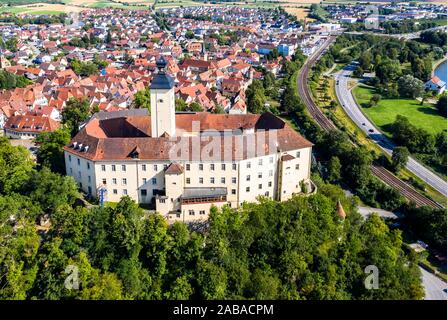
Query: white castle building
[184,163]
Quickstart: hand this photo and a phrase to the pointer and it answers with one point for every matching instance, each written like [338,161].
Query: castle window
[160,100]
[259,175]
[188,180]
[234,166]
[233,180]
[104,181]
[260,186]
[154,180]
[201,166]
[123,167]
[143,192]
[201,180]
[191,212]
[88,165]
[125,191]
[103,167]
[270,183]
[69,158]
[212,166]
[298,154]
[247,189]
[248,178]
[124,181]
[233,191]
[188,167]
[144,180]
[222,180]
[115,191]
[222,166]
[260,162]
[79,162]
[114,180]
[202,212]
[248,165]
[143,167]
[212,180]
[155,167]
[113,167]
[297,167]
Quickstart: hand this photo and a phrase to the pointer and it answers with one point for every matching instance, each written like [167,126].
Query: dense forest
[300,249]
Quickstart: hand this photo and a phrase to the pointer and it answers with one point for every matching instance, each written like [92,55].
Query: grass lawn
[383,115]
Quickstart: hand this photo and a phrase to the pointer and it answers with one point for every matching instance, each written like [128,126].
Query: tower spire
[340,211]
[162,102]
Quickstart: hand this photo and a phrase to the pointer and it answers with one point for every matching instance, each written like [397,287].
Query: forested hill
[299,249]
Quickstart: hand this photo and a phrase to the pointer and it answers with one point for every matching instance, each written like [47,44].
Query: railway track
[320,118]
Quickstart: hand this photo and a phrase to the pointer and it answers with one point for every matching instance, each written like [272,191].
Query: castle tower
[162,102]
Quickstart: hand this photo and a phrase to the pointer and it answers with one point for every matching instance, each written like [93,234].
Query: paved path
[353,110]
[366,211]
[435,288]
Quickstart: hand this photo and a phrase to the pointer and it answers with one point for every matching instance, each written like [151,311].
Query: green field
[423,116]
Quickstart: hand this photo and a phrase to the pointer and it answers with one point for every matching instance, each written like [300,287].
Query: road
[344,95]
[435,288]
[405,36]
[320,118]
[366,211]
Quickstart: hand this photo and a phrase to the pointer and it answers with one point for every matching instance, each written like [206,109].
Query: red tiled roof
[116,138]
[30,123]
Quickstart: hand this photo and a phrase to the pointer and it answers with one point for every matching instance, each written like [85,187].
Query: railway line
[320,118]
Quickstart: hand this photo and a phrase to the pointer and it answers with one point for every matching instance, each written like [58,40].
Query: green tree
[388,70]
[334,170]
[442,105]
[51,190]
[410,86]
[256,97]
[50,152]
[142,99]
[75,113]
[212,280]
[400,158]
[15,167]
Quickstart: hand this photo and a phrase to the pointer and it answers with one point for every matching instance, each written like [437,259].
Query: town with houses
[206,72]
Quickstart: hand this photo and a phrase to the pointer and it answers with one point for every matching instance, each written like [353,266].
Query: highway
[344,95]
